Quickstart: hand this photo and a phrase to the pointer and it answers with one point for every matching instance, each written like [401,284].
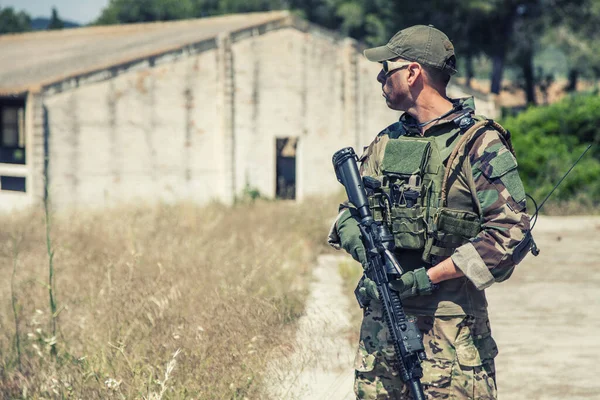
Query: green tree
[364,20]
[321,12]
[14,22]
[205,8]
[130,11]
[238,6]
[55,21]
[575,32]
[525,43]
[548,139]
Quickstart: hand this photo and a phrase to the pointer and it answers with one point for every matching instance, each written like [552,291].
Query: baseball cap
[420,43]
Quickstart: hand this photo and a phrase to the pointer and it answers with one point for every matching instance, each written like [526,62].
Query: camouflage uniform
[457,338]
[460,363]
[460,197]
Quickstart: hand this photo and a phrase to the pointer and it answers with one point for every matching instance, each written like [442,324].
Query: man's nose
[381,77]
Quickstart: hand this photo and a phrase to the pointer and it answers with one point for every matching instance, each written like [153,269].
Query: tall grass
[170,301]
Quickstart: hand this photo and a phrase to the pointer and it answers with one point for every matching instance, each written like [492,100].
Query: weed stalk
[15,304]
[53,313]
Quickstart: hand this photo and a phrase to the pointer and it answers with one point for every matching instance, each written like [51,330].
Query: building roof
[30,61]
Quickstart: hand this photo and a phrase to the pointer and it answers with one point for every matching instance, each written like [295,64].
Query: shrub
[549,139]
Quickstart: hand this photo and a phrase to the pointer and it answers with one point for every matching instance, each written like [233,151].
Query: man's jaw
[386,97]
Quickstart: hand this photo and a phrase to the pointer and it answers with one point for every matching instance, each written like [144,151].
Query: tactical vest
[413,200]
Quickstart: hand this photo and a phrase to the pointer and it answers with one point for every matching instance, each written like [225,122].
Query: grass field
[174,301]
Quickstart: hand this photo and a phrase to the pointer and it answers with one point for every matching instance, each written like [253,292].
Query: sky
[80,11]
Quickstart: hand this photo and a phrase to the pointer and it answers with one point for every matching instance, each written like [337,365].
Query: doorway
[285,185]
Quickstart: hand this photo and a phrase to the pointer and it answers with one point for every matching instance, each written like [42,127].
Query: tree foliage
[14,22]
[575,32]
[549,139]
[55,21]
[129,11]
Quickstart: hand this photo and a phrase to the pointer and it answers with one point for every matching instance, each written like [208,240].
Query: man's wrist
[431,278]
[434,275]
[444,271]
[434,286]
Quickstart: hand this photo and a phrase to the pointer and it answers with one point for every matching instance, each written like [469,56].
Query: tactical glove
[350,238]
[413,283]
[409,284]
[367,291]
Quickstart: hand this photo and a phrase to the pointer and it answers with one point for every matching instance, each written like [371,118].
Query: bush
[549,139]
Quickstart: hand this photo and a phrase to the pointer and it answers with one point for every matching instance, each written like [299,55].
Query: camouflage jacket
[484,180]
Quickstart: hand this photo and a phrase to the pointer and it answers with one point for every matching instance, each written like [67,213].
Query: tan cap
[423,44]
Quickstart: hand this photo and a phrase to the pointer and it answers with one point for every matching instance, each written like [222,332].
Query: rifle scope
[346,171]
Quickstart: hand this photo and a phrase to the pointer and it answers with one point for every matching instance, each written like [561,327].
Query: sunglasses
[389,66]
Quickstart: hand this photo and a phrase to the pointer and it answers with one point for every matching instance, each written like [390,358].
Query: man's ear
[415,72]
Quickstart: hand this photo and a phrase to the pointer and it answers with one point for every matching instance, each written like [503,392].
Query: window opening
[12,183]
[12,132]
[286,168]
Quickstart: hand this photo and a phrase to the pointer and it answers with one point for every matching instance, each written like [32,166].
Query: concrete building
[189,110]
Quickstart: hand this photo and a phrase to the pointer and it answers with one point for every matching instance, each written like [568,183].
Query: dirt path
[545,319]
[320,365]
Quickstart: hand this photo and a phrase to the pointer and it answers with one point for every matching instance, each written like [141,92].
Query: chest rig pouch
[411,200]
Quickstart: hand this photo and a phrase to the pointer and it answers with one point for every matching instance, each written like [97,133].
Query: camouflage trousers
[459,365]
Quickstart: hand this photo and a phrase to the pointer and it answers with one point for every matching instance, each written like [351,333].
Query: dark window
[286,168]
[12,183]
[12,131]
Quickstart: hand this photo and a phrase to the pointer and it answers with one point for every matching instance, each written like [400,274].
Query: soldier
[456,206]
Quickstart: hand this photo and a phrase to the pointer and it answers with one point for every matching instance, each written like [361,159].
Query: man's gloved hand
[349,234]
[368,291]
[412,283]
[409,284]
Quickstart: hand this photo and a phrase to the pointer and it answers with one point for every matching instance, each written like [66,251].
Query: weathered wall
[150,134]
[204,126]
[301,84]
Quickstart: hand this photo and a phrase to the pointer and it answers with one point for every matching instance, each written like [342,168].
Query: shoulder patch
[495,161]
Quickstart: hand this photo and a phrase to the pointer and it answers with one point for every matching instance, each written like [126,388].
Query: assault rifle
[381,265]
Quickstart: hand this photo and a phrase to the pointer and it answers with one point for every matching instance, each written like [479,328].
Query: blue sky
[81,11]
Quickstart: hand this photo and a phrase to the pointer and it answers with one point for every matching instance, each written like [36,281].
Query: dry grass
[155,302]
[581,204]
